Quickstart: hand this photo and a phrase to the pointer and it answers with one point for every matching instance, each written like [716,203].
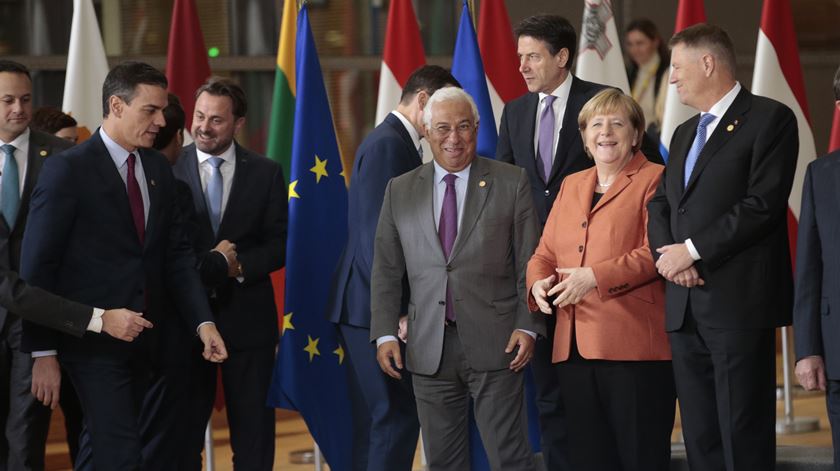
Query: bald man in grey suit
[463,228]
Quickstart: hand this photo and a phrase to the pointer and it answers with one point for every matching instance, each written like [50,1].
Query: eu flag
[309,374]
[469,70]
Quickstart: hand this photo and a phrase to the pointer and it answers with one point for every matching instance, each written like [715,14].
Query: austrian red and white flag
[498,53]
[778,75]
[834,140]
[403,54]
[689,13]
[599,55]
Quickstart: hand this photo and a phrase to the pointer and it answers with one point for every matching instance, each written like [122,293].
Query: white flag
[599,55]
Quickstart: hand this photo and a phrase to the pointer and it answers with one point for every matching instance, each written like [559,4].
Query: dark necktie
[448,231]
[10,195]
[697,146]
[135,200]
[545,140]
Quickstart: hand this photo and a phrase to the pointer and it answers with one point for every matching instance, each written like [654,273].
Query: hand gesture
[124,324]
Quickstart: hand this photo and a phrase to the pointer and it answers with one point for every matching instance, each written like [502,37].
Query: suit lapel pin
[43,153]
[482,183]
[731,127]
[153,182]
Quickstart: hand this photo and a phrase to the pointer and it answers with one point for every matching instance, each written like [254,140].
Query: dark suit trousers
[553,428]
[23,420]
[111,392]
[620,413]
[72,410]
[246,376]
[385,424]
[442,406]
[832,402]
[726,382]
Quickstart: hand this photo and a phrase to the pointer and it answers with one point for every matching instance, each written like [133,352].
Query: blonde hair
[612,100]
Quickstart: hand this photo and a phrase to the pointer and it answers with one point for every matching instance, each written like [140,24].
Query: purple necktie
[135,200]
[448,230]
[546,138]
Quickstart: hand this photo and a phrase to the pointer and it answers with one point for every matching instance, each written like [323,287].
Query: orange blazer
[624,317]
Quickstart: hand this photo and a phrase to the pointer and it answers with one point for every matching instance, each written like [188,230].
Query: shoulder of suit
[42,139]
[255,157]
[825,162]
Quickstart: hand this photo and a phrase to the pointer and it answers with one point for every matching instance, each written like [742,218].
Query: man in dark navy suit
[384,414]
[239,234]
[816,323]
[103,230]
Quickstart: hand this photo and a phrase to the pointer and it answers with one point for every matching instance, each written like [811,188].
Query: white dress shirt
[718,110]
[120,157]
[559,106]
[227,169]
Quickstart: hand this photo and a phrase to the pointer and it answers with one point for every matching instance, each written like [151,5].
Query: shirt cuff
[95,324]
[199,326]
[692,250]
[44,353]
[385,339]
[532,334]
[222,254]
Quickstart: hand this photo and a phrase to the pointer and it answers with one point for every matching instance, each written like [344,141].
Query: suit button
[580,248]
[449,268]
[547,193]
[442,303]
[681,210]
[583,224]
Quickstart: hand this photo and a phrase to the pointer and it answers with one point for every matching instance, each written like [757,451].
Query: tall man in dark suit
[816,327]
[463,228]
[545,141]
[22,151]
[240,237]
[103,230]
[718,229]
[385,425]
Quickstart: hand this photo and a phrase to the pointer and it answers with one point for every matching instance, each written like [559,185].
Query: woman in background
[647,70]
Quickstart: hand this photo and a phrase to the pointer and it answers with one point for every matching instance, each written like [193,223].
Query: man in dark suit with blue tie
[239,234]
[816,324]
[717,227]
[385,426]
[103,230]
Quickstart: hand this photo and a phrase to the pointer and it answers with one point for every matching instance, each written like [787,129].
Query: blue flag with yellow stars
[468,68]
[309,374]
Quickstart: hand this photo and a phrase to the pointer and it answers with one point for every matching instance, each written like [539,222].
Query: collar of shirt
[229,155]
[120,156]
[559,106]
[118,153]
[440,190]
[21,144]
[720,108]
[415,137]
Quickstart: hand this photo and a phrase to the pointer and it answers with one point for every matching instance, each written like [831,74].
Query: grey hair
[448,94]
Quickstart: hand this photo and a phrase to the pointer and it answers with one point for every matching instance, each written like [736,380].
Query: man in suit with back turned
[239,226]
[718,231]
[816,328]
[463,228]
[22,152]
[385,425]
[103,230]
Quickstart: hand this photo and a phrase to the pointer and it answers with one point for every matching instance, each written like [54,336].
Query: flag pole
[208,446]
[791,424]
[318,464]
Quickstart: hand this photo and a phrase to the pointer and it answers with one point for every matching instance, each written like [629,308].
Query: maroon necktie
[135,200]
[447,231]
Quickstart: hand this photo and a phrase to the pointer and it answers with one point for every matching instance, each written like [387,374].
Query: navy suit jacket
[734,209]
[386,152]
[816,326]
[255,220]
[81,243]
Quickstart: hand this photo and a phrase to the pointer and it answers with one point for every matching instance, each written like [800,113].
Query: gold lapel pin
[482,183]
[43,153]
[730,128]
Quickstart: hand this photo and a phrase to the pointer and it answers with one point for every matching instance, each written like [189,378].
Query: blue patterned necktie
[448,231]
[10,194]
[214,192]
[697,146]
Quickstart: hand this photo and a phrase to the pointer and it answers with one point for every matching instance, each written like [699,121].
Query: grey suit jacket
[485,271]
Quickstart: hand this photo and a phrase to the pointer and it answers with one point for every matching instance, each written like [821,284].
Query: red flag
[834,141]
[403,54]
[186,59]
[498,54]
[689,13]
[778,75]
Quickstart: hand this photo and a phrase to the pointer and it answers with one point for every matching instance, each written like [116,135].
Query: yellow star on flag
[292,192]
[287,323]
[312,348]
[320,169]
[340,352]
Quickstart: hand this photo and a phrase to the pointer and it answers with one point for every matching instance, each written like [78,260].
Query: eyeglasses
[463,129]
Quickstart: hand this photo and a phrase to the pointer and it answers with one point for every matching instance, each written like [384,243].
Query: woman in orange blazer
[593,265]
